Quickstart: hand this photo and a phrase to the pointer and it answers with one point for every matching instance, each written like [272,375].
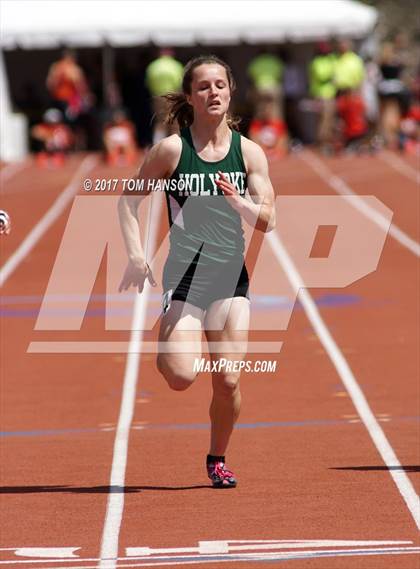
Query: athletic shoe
[220,475]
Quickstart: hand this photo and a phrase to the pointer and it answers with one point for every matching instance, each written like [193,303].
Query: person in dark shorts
[214,178]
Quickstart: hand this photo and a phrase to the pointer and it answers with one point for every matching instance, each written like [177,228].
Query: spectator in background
[68,87]
[266,73]
[349,74]
[54,139]
[267,128]
[351,109]
[393,94]
[410,131]
[294,89]
[163,76]
[322,88]
[349,68]
[410,122]
[408,56]
[369,93]
[119,140]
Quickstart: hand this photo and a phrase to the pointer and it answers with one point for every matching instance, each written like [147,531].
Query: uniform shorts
[202,281]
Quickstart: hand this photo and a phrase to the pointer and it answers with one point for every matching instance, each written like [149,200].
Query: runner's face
[210,91]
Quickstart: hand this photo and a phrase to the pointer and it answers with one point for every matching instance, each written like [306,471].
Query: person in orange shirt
[68,87]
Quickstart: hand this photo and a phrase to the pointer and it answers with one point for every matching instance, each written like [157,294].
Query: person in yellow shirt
[266,74]
[163,76]
[266,71]
[349,68]
[323,88]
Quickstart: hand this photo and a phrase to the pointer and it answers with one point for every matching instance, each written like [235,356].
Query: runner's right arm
[159,163]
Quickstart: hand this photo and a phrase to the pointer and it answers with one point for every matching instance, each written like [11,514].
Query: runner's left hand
[229,190]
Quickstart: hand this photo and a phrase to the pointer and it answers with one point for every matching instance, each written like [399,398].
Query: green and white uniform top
[200,216]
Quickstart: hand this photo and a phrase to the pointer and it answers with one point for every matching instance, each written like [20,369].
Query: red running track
[313,488]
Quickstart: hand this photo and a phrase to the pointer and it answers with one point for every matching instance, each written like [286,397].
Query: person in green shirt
[163,76]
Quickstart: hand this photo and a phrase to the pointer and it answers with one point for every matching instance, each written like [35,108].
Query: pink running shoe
[220,475]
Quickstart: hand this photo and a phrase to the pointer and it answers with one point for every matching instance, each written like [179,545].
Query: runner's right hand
[135,274]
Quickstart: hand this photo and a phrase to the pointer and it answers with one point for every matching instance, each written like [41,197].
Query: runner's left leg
[226,323]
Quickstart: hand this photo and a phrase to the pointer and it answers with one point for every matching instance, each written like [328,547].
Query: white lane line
[156,560]
[57,554]
[108,347]
[340,186]
[47,220]
[220,547]
[400,166]
[238,557]
[64,553]
[377,435]
[115,506]
[12,169]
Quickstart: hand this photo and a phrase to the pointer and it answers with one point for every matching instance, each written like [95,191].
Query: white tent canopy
[41,24]
[50,23]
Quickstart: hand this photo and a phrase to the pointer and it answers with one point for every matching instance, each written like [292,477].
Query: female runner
[215,178]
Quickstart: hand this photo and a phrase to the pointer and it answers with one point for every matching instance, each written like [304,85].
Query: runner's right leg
[180,339]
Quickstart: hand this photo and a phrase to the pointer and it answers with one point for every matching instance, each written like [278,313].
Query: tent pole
[5,105]
[108,75]
[13,126]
